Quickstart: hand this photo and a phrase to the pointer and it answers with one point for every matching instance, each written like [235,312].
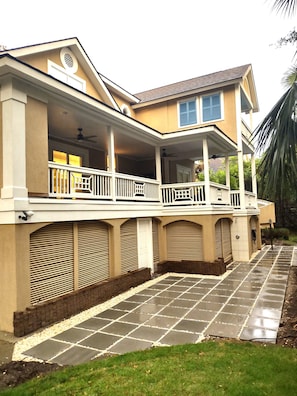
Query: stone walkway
[246,303]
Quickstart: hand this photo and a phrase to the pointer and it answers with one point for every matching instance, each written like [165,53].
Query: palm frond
[287,7]
[276,136]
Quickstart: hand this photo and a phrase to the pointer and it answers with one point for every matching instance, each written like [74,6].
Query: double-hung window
[187,112]
[211,107]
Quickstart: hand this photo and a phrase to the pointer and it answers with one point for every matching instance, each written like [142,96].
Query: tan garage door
[184,241]
[156,253]
[93,253]
[223,240]
[51,262]
[129,254]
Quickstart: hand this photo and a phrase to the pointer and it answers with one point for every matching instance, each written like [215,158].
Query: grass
[208,368]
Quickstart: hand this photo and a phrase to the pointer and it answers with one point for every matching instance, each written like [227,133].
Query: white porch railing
[66,181]
[250,199]
[194,194]
[136,188]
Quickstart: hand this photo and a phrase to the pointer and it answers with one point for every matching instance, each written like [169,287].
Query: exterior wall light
[26,215]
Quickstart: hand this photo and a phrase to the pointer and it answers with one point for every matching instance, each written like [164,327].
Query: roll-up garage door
[184,241]
[51,262]
[223,240]
[129,254]
[156,254]
[93,253]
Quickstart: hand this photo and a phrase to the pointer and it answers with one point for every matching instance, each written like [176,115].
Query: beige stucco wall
[267,213]
[1,149]
[40,61]
[14,269]
[36,147]
[121,102]
[164,116]
[207,222]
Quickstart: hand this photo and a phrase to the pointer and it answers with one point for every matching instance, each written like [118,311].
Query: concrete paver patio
[246,303]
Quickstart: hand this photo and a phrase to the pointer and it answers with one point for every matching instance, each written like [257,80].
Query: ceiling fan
[80,137]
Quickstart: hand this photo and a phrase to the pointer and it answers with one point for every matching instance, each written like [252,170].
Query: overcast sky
[143,44]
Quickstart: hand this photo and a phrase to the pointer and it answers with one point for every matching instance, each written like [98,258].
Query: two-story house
[97,183]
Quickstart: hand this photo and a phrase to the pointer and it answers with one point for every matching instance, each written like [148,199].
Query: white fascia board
[209,132]
[121,91]
[37,48]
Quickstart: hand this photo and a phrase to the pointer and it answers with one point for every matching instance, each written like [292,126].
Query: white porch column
[158,164]
[228,182]
[227,171]
[239,148]
[254,177]
[111,159]
[206,172]
[158,170]
[13,141]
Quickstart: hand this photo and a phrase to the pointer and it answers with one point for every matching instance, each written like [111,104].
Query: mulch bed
[15,373]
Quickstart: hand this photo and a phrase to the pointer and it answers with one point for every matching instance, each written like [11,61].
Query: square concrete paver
[178,337]
[46,350]
[130,345]
[193,326]
[135,317]
[219,329]
[94,323]
[75,355]
[119,328]
[162,321]
[100,341]
[257,334]
[73,335]
[148,333]
[111,314]
[200,314]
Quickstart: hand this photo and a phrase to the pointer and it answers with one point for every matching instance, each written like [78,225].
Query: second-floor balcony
[66,181]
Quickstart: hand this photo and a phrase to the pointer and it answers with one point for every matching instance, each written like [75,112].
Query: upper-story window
[211,107]
[67,74]
[187,112]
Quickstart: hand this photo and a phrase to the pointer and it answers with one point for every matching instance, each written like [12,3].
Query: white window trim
[58,71]
[197,111]
[222,107]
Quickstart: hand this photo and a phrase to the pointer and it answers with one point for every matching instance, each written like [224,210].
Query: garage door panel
[184,241]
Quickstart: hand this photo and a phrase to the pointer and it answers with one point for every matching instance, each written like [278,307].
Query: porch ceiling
[64,121]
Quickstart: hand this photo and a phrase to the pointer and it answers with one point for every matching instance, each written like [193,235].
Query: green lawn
[208,368]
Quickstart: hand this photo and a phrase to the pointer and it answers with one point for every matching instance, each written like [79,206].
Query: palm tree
[276,137]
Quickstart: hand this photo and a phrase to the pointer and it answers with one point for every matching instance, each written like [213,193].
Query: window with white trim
[211,107]
[188,112]
[63,75]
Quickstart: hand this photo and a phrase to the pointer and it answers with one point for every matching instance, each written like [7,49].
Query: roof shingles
[193,84]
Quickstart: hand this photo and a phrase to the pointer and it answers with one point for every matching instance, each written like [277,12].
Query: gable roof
[195,84]
[75,46]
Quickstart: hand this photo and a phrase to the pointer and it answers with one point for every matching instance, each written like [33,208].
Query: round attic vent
[68,60]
